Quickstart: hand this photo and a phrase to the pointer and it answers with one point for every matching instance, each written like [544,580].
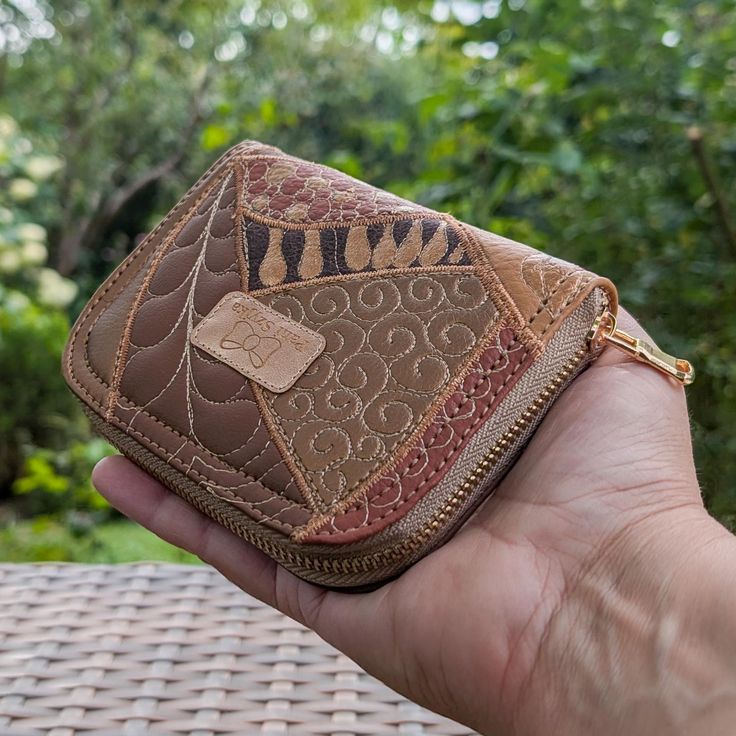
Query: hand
[498,628]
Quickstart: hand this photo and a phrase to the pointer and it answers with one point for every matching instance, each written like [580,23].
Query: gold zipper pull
[604,330]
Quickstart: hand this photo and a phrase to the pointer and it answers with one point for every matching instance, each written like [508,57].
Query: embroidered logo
[257,341]
[258,349]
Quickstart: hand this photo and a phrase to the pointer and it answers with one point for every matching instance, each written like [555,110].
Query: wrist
[653,642]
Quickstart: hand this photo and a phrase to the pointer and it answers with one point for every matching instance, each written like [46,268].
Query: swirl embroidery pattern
[491,376]
[392,348]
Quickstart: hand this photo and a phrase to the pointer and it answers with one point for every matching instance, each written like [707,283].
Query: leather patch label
[257,341]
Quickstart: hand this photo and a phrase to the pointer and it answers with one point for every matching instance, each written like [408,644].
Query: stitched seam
[521,362]
[567,303]
[202,479]
[123,267]
[240,249]
[383,219]
[408,442]
[356,275]
[227,467]
[442,464]
[497,291]
[170,457]
[463,398]
[290,459]
[236,501]
[419,212]
[543,304]
[228,158]
[158,257]
[370,500]
[404,445]
[233,154]
[98,407]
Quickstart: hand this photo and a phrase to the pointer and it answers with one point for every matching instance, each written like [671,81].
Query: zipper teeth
[376,560]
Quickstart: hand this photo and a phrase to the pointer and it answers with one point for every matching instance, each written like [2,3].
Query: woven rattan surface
[174,649]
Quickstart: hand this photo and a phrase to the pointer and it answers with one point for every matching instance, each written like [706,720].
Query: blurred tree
[601,130]
[131,94]
[36,410]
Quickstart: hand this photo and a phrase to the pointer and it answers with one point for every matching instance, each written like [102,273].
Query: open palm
[462,632]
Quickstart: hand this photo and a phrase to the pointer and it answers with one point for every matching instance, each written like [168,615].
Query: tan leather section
[88,376]
[433,454]
[257,341]
[250,473]
[544,289]
[393,346]
[202,408]
[107,331]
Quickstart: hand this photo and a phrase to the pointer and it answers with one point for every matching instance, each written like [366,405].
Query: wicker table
[174,649]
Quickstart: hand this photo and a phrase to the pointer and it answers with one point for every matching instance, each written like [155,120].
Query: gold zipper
[605,331]
[398,552]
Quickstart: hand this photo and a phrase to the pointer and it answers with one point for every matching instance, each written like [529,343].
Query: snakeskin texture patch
[392,348]
[277,256]
[286,188]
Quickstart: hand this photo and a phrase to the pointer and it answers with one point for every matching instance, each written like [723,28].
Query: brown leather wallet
[337,375]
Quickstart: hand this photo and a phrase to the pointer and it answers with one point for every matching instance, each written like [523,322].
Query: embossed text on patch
[257,341]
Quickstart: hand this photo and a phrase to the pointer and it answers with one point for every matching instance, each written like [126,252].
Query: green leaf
[215,136]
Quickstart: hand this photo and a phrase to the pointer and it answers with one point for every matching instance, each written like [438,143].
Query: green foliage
[46,538]
[601,135]
[602,132]
[53,481]
[45,450]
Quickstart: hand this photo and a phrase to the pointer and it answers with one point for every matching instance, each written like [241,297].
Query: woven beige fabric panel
[175,649]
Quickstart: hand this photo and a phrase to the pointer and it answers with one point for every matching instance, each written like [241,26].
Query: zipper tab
[604,330]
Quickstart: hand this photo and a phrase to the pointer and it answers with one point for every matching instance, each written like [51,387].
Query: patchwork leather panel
[294,191]
[190,394]
[393,346]
[398,489]
[542,287]
[104,336]
[277,256]
[381,416]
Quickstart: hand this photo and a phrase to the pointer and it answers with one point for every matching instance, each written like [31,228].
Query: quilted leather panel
[542,287]
[104,335]
[190,393]
[393,347]
[393,411]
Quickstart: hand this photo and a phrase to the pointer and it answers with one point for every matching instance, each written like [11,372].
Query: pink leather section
[393,495]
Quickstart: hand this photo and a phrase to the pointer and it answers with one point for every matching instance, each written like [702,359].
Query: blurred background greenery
[602,131]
